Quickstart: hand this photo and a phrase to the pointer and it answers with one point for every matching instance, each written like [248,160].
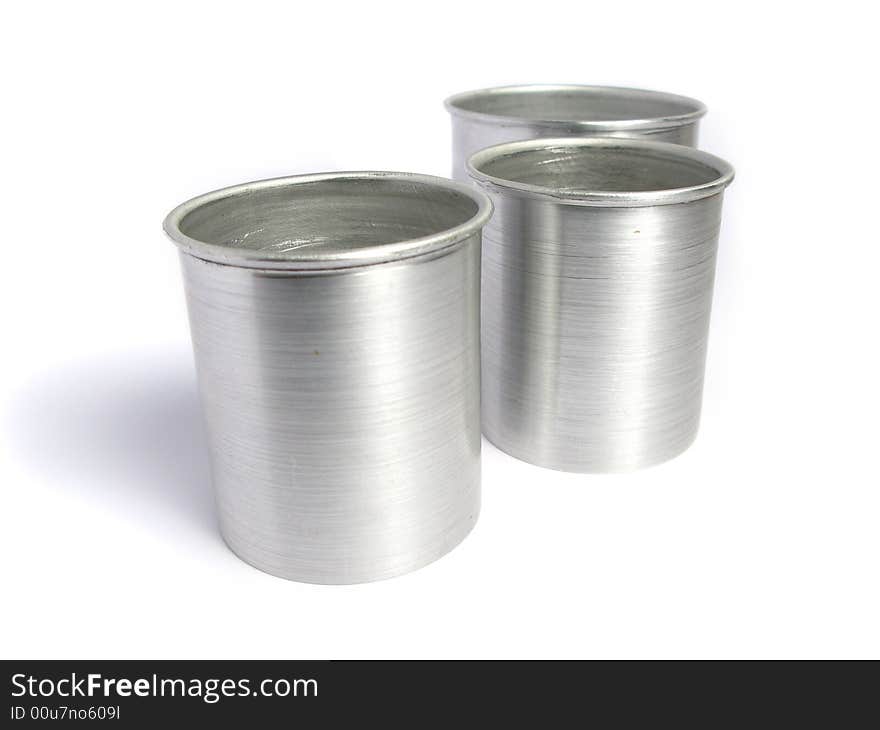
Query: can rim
[313,259]
[604,198]
[696,112]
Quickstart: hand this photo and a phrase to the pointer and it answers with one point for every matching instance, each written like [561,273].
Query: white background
[762,540]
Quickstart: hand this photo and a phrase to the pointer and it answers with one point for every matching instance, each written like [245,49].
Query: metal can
[598,267]
[335,324]
[489,117]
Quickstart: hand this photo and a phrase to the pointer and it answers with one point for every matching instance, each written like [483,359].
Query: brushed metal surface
[337,350]
[488,117]
[598,267]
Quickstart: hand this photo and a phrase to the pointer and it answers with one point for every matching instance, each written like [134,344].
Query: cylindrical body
[490,117]
[598,267]
[335,323]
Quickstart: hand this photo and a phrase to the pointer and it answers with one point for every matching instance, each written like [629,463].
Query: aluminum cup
[489,117]
[598,267]
[335,323]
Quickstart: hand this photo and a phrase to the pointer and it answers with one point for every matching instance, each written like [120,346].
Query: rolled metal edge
[603,198]
[314,260]
[696,112]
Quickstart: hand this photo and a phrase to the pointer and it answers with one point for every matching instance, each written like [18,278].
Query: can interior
[332,215]
[598,168]
[575,104]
